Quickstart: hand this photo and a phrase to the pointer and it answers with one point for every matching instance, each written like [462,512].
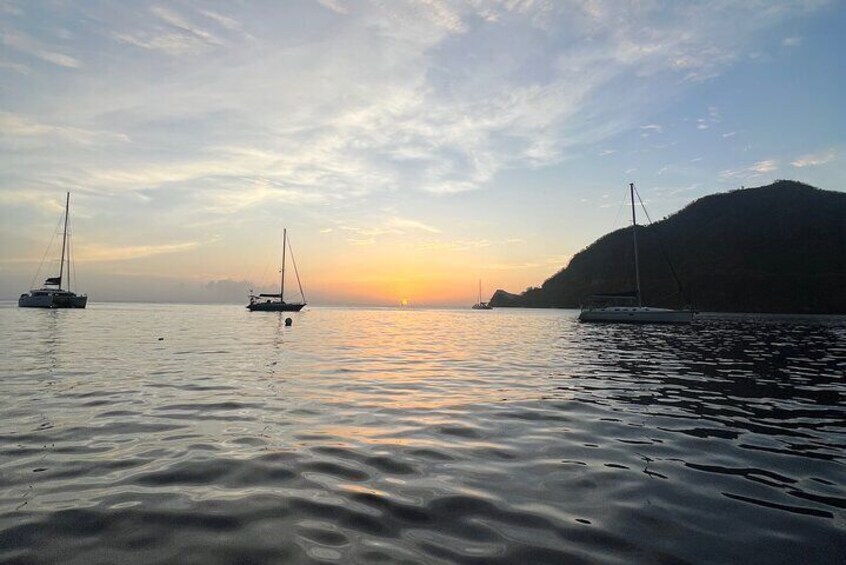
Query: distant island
[779,248]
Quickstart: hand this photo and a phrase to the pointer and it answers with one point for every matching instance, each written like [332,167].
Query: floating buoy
[288,322]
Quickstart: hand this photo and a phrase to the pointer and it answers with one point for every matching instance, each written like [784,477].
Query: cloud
[429,96]
[225,21]
[767,166]
[403,224]
[513,266]
[361,241]
[23,43]
[393,225]
[13,127]
[814,160]
[752,171]
[792,41]
[175,35]
[334,5]
[453,245]
[16,67]
[228,290]
[104,252]
[729,134]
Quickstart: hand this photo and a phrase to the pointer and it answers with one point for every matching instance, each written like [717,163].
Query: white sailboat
[52,294]
[628,307]
[276,302]
[481,305]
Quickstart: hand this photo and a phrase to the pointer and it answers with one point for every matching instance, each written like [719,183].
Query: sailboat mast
[282,284]
[634,238]
[64,241]
[480,291]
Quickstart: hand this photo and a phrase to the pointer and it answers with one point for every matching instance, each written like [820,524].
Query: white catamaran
[276,302]
[628,307]
[52,295]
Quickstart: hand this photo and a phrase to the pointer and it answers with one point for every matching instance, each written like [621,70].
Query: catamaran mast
[64,241]
[634,237]
[282,284]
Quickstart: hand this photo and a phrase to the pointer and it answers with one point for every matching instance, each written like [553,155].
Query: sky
[412,149]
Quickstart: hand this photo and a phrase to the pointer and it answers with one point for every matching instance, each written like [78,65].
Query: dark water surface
[391,436]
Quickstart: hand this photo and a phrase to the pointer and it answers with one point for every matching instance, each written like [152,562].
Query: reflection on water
[210,434]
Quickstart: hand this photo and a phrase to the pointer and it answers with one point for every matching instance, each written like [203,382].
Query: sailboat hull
[52,299]
[636,315]
[274,307]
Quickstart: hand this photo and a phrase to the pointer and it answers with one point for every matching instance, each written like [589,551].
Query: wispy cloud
[102,252]
[24,43]
[175,35]
[453,245]
[555,262]
[225,21]
[361,241]
[404,224]
[16,67]
[752,171]
[334,5]
[392,225]
[428,113]
[794,41]
[766,166]
[14,127]
[814,160]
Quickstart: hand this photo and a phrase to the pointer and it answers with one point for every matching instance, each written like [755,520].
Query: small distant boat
[52,294]
[481,305]
[276,302]
[627,307]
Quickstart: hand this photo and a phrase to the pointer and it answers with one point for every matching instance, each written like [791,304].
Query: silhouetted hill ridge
[776,248]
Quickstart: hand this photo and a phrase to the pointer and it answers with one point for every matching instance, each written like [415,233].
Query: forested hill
[776,248]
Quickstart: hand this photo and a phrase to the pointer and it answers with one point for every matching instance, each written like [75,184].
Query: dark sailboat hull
[52,300]
[636,315]
[274,307]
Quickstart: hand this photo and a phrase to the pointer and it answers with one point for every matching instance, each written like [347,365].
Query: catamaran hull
[636,316]
[274,307]
[52,301]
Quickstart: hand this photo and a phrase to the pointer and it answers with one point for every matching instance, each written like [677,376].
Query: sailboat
[52,294]
[627,307]
[481,305]
[276,302]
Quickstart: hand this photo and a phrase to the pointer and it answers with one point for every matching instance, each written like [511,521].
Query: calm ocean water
[208,434]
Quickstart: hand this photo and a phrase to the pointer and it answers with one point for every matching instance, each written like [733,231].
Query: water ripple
[391,436]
